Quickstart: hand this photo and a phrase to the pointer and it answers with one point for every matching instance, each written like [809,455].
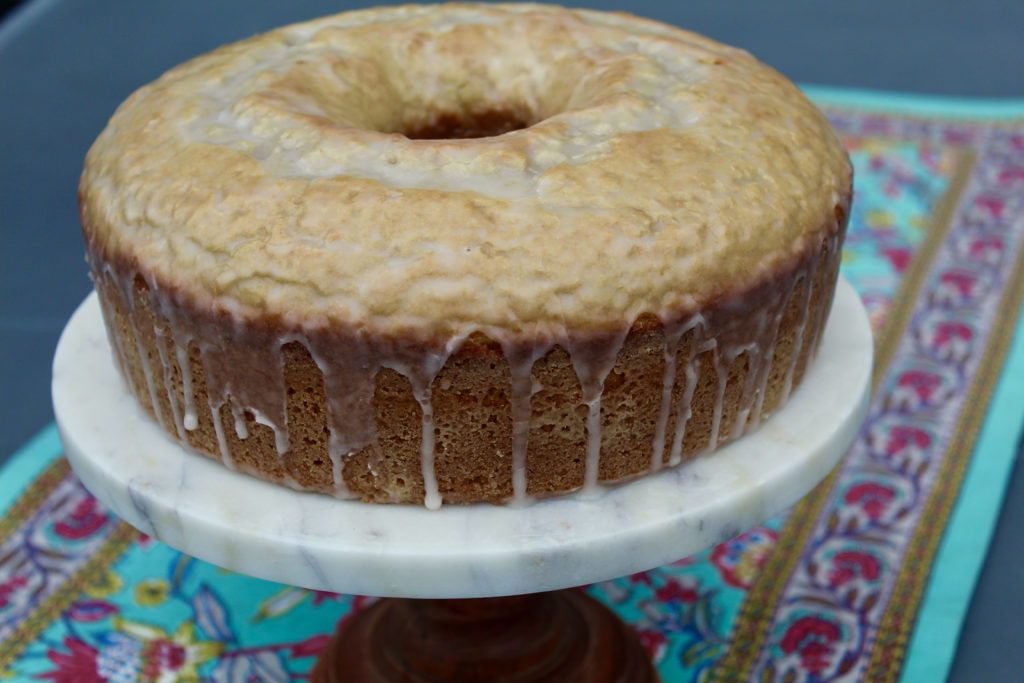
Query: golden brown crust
[270,178]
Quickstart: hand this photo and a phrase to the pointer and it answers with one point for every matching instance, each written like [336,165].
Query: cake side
[490,418]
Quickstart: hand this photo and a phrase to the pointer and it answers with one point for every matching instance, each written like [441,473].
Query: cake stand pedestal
[459,552]
[562,635]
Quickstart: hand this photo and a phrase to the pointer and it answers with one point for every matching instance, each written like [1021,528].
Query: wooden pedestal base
[557,636]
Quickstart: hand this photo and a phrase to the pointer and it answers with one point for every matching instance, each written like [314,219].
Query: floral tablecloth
[868,577]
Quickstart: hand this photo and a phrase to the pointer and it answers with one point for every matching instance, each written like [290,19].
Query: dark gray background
[66,64]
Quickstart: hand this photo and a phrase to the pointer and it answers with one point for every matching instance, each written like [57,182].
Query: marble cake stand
[478,551]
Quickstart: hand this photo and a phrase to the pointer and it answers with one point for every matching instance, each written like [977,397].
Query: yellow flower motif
[879,218]
[105,585]
[152,592]
[169,658]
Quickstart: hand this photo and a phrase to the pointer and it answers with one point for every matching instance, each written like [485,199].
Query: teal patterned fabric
[935,240]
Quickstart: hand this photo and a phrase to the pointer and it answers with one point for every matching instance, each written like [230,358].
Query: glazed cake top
[648,169]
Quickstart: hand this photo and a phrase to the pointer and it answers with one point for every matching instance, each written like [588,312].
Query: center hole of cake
[485,123]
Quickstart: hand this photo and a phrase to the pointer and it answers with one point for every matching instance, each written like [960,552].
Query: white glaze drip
[431,493]
[752,352]
[421,376]
[189,419]
[222,440]
[348,396]
[523,387]
[147,373]
[593,360]
[593,442]
[831,262]
[280,432]
[126,291]
[748,396]
[760,356]
[722,370]
[673,335]
[759,362]
[240,427]
[261,393]
[165,363]
[798,336]
[685,409]
[338,466]
[765,370]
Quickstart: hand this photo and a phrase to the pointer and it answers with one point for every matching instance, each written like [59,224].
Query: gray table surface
[65,65]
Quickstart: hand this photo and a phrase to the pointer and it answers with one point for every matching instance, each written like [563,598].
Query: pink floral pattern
[81,522]
[740,559]
[826,619]
[155,615]
[871,497]
[78,663]
[813,639]
[848,565]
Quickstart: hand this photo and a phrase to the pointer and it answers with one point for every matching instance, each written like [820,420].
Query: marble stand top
[311,540]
